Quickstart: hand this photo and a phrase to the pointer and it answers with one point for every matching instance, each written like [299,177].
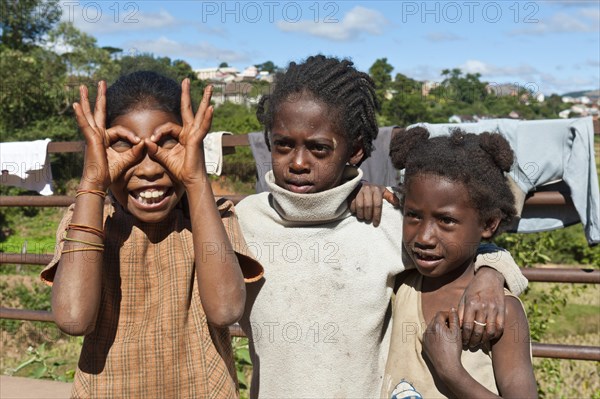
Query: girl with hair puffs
[455,194]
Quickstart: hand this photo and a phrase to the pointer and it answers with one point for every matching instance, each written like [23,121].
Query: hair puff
[404,142]
[496,146]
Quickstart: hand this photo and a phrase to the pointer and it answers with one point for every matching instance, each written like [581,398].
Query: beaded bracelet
[87,229]
[99,193]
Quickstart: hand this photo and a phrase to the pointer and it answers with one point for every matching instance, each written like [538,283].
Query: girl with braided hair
[319,322]
[455,194]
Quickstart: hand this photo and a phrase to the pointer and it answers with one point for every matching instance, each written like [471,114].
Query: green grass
[575,319]
[37,232]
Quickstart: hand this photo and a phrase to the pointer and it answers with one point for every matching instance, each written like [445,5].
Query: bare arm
[220,280]
[77,284]
[511,357]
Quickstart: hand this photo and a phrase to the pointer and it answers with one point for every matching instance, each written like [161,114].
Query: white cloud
[476,66]
[107,17]
[443,37]
[174,49]
[357,21]
[584,20]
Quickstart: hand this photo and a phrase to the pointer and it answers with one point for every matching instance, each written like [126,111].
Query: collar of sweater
[318,207]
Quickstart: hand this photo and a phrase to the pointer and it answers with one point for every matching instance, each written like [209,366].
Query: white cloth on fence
[25,164]
[213,152]
[547,151]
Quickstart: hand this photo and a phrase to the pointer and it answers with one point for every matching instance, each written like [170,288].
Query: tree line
[44,60]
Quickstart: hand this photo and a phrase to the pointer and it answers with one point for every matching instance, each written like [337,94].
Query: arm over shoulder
[499,259]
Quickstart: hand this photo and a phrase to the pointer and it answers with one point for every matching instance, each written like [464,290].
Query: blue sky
[546,46]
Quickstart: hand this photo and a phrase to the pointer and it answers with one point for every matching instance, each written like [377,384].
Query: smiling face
[308,150]
[441,228]
[146,189]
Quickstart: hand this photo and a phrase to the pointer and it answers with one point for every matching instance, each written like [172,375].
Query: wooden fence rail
[559,275]
[554,351]
[542,275]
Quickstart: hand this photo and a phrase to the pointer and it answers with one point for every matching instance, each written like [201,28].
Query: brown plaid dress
[152,339]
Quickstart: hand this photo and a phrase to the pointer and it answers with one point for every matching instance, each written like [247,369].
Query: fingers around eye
[85,105]
[100,107]
[206,122]
[120,132]
[187,114]
[156,152]
[169,128]
[90,134]
[204,106]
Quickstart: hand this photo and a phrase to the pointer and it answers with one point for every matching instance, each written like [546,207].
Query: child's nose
[426,236]
[299,161]
[149,169]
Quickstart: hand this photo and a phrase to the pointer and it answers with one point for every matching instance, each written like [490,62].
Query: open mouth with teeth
[152,196]
[427,257]
[426,261]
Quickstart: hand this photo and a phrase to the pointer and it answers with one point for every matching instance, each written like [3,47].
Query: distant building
[216,73]
[505,89]
[564,114]
[249,72]
[427,86]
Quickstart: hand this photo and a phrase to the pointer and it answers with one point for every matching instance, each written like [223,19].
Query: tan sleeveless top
[407,374]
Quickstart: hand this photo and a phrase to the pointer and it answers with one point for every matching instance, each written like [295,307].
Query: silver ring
[479,323]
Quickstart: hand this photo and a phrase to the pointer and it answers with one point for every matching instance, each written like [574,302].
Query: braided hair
[479,161]
[348,93]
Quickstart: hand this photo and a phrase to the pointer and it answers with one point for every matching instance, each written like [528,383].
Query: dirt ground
[28,388]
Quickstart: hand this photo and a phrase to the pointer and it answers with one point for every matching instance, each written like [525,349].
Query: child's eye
[410,214]
[121,145]
[319,148]
[282,144]
[167,142]
[448,220]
